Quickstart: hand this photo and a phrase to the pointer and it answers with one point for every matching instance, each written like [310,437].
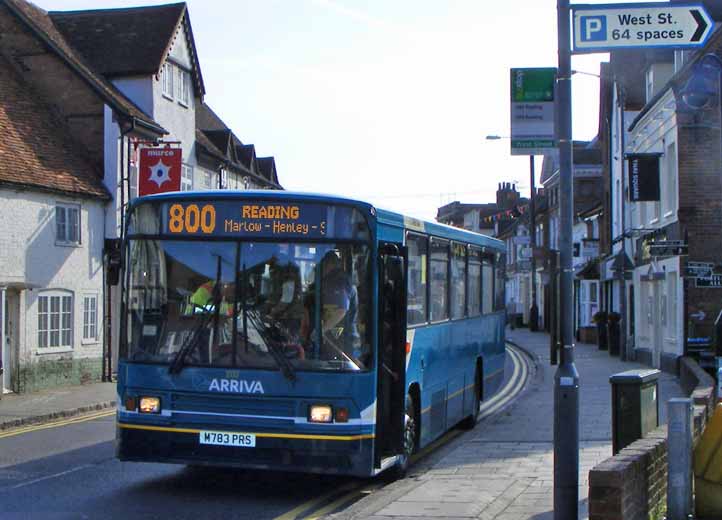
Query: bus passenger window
[439,279]
[487,286]
[474,283]
[416,307]
[458,281]
[499,283]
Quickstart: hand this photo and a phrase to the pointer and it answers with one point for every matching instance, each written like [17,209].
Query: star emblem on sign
[159,173]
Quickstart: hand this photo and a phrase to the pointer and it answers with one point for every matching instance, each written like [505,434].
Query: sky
[387,101]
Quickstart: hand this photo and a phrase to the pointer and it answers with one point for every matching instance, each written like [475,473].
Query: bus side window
[417,253]
[439,267]
[474,288]
[487,285]
[499,283]
[458,281]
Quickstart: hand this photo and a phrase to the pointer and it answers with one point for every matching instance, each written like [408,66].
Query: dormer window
[184,87]
[167,79]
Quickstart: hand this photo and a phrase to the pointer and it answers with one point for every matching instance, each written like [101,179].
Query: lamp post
[566,378]
[534,309]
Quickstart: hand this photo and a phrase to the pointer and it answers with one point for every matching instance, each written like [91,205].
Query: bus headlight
[320,413]
[149,405]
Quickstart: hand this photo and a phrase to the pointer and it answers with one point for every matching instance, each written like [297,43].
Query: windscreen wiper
[273,348]
[192,340]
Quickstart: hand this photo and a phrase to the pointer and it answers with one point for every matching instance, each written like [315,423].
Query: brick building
[645,111]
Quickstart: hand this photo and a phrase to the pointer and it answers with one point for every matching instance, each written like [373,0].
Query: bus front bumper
[341,454]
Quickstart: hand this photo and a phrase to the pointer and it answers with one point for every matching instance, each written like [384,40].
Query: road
[68,470]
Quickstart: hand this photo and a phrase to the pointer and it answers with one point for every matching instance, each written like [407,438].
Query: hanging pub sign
[643,177]
[160,170]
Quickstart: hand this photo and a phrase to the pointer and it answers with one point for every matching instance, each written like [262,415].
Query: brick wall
[632,485]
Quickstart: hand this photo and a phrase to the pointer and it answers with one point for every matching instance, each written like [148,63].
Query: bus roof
[384,217]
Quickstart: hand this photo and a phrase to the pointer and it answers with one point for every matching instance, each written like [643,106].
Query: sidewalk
[503,469]
[21,409]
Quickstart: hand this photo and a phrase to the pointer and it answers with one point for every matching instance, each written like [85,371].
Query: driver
[339,305]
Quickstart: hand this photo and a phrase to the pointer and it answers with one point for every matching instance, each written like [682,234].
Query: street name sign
[606,27]
[532,111]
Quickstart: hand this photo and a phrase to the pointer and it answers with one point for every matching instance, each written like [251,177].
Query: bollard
[679,457]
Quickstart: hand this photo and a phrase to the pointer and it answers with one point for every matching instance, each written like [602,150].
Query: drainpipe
[623,354]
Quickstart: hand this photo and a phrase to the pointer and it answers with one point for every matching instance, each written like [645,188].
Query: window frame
[447,313]
[183,94]
[167,80]
[473,252]
[452,257]
[65,206]
[425,267]
[48,348]
[186,168]
[96,337]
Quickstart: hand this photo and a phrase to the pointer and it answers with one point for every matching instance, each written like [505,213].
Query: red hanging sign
[160,170]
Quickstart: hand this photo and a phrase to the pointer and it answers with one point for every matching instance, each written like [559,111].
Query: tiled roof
[38,21]
[267,168]
[127,42]
[35,149]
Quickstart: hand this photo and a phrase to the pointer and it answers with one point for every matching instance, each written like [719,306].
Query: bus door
[391,368]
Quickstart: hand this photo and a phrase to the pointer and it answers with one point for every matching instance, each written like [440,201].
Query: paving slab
[504,468]
[34,408]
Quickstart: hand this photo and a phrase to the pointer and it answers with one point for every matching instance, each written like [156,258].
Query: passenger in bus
[284,304]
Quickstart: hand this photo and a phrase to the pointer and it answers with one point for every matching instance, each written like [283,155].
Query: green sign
[532,111]
[529,85]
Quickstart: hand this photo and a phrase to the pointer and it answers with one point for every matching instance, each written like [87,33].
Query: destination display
[259,219]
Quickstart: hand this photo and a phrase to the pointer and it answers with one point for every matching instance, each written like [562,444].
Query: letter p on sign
[594,28]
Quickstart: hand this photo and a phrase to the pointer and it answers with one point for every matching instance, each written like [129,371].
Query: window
[671,175]
[474,283]
[458,281]
[487,285]
[499,302]
[416,305]
[671,307]
[133,181]
[55,318]
[67,224]
[439,268]
[90,317]
[186,178]
[166,77]
[208,180]
[184,87]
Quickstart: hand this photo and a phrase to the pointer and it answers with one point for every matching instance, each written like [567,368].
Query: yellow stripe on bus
[262,435]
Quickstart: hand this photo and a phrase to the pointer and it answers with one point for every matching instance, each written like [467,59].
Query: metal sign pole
[566,379]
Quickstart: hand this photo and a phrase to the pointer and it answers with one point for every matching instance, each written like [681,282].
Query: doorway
[391,367]
[10,314]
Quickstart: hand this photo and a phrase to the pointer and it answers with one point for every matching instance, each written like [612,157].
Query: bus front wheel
[410,439]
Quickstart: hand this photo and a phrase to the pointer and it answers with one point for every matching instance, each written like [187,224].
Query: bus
[300,332]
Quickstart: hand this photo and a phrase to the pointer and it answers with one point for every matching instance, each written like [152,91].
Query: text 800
[191,219]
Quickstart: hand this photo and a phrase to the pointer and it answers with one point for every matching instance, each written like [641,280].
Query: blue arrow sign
[606,27]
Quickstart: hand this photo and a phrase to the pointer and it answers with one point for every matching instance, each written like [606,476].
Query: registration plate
[243,440]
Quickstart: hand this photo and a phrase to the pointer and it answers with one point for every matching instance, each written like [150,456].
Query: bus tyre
[410,439]
[470,421]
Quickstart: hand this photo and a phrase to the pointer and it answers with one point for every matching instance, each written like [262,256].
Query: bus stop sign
[606,27]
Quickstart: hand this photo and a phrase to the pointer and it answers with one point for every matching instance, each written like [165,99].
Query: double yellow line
[350,492]
[55,424]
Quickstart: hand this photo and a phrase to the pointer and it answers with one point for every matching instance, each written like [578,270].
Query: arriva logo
[236,385]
